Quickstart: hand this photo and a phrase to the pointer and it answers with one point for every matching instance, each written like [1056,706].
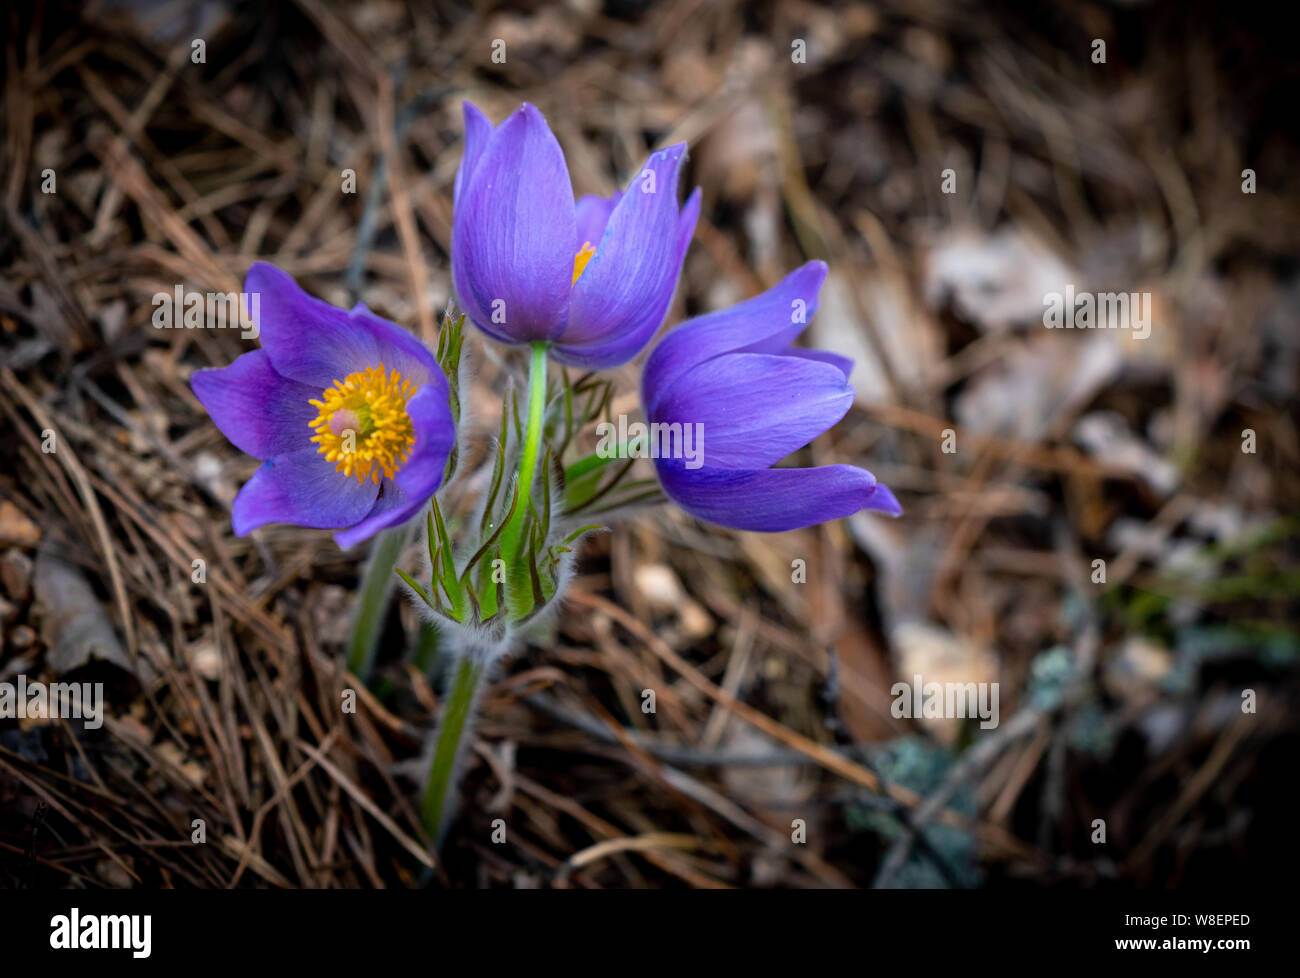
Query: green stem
[456,709]
[527,463]
[371,609]
[426,648]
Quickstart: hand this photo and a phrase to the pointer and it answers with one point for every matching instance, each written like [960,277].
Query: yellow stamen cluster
[580,260]
[362,423]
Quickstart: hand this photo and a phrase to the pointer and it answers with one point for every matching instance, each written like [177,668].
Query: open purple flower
[594,278]
[756,399]
[348,412]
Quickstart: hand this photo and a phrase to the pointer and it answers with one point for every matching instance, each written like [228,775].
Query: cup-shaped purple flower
[347,412]
[593,278]
[745,399]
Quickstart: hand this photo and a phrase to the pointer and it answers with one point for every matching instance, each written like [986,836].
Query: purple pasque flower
[348,412]
[756,399]
[593,278]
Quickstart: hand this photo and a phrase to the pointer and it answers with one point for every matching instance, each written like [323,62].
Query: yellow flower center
[362,424]
[580,260]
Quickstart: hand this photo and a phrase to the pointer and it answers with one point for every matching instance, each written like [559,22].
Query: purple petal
[690,213]
[301,488]
[771,500]
[262,413]
[754,408]
[623,294]
[399,350]
[884,501]
[435,433]
[513,232]
[392,508]
[843,364]
[767,323]
[593,215]
[478,130]
[308,340]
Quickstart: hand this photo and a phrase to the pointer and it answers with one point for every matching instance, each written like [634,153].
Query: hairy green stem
[426,648]
[372,600]
[518,576]
[458,704]
[456,709]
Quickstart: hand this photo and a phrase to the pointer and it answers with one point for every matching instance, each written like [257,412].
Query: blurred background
[1103,524]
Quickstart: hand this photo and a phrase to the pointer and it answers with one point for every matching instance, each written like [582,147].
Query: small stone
[658,585]
[695,621]
[1139,663]
[207,661]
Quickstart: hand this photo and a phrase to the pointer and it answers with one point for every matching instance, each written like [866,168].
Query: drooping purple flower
[348,413]
[756,399]
[595,277]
